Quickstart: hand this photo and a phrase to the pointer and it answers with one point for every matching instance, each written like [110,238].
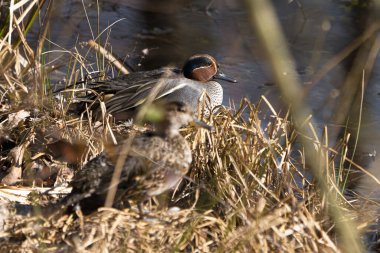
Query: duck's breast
[191,93]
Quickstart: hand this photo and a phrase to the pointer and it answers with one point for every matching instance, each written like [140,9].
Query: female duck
[156,162]
[197,77]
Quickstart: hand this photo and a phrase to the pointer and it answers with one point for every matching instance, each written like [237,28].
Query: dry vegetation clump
[240,195]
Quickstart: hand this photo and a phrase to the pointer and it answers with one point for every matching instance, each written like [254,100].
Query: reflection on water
[173,30]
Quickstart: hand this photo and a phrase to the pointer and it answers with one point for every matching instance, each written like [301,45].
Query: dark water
[170,31]
[174,30]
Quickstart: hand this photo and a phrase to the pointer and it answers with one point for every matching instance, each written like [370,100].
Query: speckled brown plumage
[156,162]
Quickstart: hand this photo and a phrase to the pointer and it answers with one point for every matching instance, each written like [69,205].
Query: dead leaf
[13,176]
[65,151]
[15,118]
[15,171]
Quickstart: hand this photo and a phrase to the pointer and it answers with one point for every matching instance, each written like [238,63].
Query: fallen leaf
[15,118]
[14,173]
[65,151]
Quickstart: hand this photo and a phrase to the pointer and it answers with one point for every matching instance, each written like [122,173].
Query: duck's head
[203,68]
[174,115]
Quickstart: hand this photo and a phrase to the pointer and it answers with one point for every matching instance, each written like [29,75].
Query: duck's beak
[222,76]
[200,123]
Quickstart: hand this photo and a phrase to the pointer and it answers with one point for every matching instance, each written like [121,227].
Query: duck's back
[169,84]
[153,165]
[130,81]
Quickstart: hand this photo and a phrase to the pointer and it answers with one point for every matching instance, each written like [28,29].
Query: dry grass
[239,196]
[246,191]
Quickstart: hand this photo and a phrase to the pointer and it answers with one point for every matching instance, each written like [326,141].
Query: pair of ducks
[158,160]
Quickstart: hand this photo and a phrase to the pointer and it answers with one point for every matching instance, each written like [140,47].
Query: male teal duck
[198,76]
